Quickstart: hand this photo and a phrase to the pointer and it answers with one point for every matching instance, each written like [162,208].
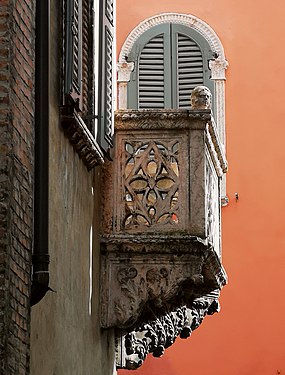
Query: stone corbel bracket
[157,334]
[81,138]
[145,275]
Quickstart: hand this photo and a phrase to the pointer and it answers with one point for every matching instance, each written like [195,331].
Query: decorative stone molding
[81,138]
[149,273]
[183,19]
[124,71]
[216,147]
[150,119]
[218,67]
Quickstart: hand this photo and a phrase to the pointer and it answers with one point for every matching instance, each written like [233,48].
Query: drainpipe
[40,277]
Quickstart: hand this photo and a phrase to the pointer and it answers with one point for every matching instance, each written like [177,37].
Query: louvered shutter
[73,51]
[105,127]
[150,82]
[190,60]
[170,60]
[151,74]
[189,69]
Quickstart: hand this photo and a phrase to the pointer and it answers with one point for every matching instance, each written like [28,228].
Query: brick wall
[16,181]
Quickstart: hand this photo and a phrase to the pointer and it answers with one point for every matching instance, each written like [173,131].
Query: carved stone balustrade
[161,266]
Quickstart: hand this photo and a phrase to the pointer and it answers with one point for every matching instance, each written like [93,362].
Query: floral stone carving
[160,245]
[157,334]
[144,275]
[151,183]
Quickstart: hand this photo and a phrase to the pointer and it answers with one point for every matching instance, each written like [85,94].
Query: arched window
[169,61]
[173,73]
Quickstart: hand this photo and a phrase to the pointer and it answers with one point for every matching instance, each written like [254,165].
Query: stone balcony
[161,234]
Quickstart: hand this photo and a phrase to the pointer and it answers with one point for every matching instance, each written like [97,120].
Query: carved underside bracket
[155,276]
[158,289]
[158,334]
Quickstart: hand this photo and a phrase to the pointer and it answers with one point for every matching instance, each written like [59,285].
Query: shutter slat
[147,84]
[150,56]
[149,77]
[189,60]
[186,53]
[151,67]
[149,93]
[152,104]
[194,69]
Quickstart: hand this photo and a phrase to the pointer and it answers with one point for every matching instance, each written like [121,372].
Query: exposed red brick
[17,64]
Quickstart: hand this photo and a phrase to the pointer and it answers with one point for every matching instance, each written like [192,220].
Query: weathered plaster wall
[66,336]
[248,335]
[65,331]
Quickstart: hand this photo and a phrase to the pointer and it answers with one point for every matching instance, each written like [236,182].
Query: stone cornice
[153,119]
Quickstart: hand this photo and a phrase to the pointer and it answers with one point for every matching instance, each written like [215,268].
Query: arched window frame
[167,36]
[217,66]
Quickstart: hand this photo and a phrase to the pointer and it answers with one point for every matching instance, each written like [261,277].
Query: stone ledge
[81,138]
[153,119]
[153,274]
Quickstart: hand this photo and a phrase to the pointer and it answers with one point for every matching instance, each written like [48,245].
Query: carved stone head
[201,98]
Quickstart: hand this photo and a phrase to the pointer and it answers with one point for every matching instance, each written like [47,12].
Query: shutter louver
[73,51]
[189,69]
[110,11]
[108,87]
[151,74]
[105,129]
[77,45]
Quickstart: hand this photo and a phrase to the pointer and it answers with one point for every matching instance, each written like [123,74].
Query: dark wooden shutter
[105,124]
[73,51]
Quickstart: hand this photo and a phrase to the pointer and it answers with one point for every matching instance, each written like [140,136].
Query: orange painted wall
[248,336]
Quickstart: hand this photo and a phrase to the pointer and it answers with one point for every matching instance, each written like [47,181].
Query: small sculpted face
[201,98]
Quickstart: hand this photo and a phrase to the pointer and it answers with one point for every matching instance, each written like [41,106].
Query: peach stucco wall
[248,335]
